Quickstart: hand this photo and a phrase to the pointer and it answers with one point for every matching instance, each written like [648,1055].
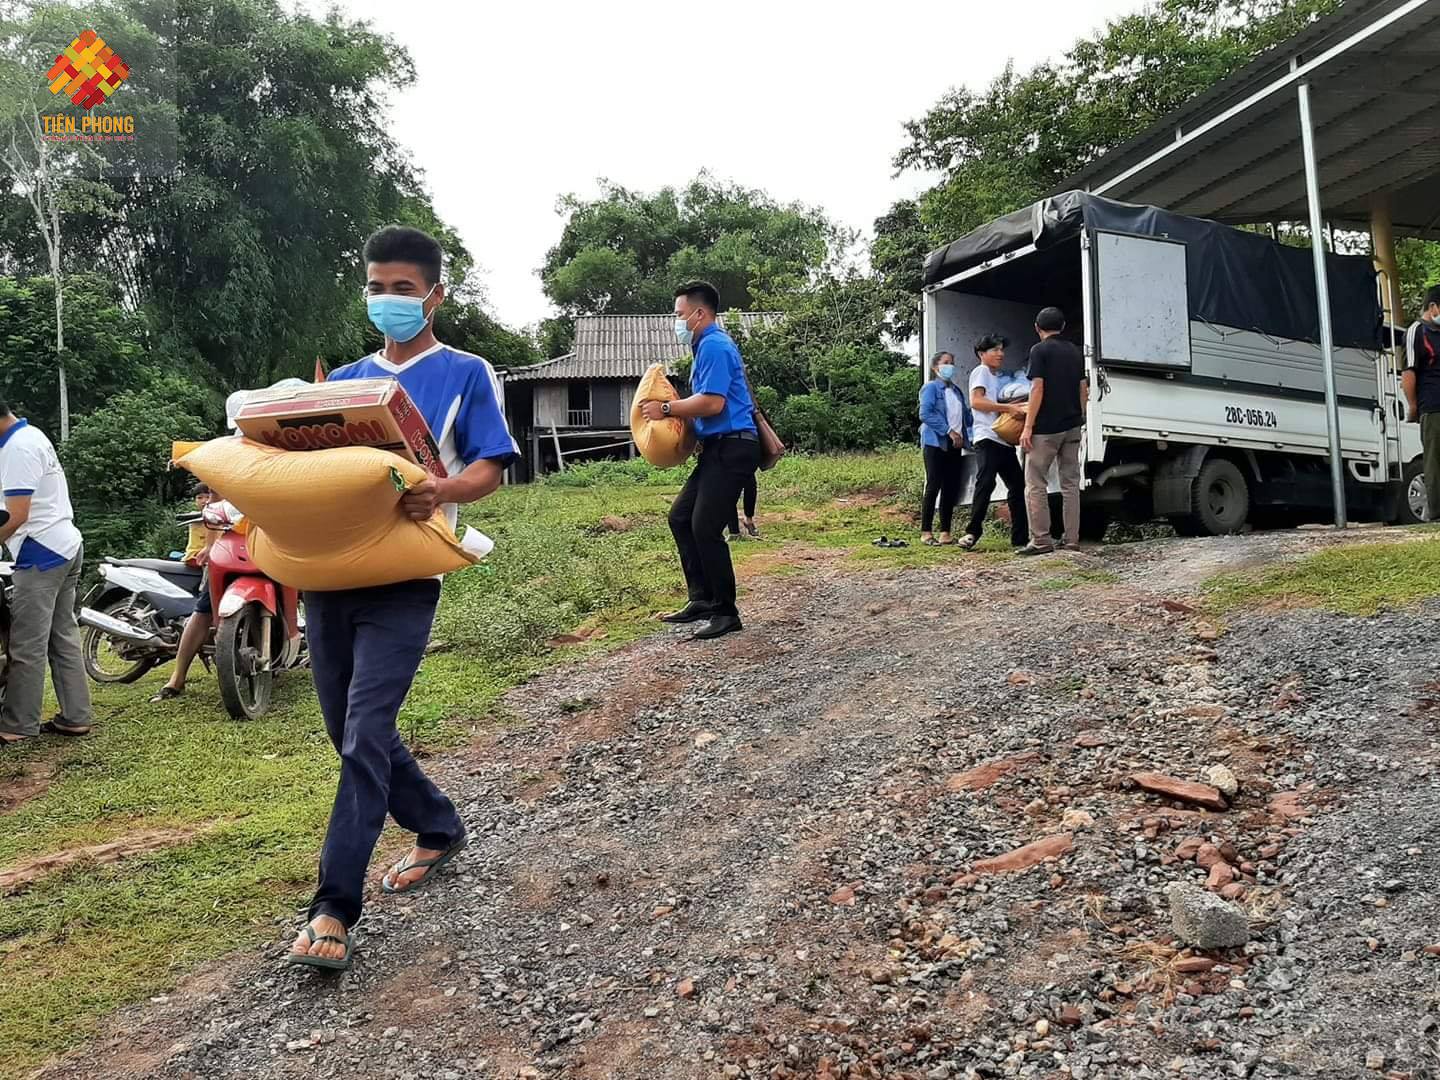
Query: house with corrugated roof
[577,406]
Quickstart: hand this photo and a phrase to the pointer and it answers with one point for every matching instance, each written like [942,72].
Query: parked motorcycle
[259,629]
[132,618]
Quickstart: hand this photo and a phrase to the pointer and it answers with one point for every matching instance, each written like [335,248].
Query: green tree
[826,370]
[246,260]
[54,183]
[1419,266]
[625,252]
[117,462]
[1006,145]
[104,352]
[556,336]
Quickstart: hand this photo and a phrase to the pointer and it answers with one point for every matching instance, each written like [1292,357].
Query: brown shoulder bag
[771,448]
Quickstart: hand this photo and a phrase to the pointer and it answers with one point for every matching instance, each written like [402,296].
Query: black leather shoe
[691,612]
[719,626]
[1030,550]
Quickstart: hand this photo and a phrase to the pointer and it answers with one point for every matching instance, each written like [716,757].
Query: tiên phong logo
[88,72]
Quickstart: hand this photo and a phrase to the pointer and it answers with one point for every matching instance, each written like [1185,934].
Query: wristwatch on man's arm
[665,407]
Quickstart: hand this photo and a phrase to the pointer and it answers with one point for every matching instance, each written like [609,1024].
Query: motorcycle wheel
[103,662]
[244,689]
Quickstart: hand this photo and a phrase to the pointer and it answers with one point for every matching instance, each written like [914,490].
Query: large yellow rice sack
[327,519]
[663,443]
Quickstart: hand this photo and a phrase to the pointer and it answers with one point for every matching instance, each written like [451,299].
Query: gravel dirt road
[805,851]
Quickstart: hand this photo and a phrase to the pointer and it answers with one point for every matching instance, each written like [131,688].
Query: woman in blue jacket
[944,433]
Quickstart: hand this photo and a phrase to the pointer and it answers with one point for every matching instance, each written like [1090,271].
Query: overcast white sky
[518,103]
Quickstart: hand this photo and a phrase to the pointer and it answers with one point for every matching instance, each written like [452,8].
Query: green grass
[82,941]
[1359,579]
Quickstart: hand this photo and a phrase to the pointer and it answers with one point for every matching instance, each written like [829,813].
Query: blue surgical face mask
[683,333]
[399,318]
[947,372]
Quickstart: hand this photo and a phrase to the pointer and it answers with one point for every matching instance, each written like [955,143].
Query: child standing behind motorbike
[198,626]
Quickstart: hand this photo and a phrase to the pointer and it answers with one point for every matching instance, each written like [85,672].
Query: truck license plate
[1251,417]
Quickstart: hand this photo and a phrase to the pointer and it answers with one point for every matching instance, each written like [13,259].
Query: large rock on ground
[1204,920]
[1181,790]
[1022,858]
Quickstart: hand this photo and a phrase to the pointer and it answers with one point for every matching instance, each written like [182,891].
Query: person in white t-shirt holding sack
[996,456]
[40,534]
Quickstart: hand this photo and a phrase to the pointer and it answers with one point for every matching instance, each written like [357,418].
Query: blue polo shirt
[458,393]
[718,371]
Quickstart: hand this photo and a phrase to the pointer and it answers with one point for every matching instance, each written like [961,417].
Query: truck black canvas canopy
[1238,279]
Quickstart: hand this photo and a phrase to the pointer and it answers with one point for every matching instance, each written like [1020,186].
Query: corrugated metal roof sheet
[1373,103]
[624,346]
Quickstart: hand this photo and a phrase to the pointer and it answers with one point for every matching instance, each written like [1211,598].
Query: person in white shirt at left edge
[366,644]
[47,551]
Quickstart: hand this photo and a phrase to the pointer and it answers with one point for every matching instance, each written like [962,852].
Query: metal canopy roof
[1234,152]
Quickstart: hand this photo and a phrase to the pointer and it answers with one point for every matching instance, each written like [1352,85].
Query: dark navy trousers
[365,647]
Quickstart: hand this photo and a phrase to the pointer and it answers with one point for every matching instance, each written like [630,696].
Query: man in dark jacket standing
[723,415]
[1421,382]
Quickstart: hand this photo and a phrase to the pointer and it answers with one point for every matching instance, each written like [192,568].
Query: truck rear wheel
[1412,508]
[1219,499]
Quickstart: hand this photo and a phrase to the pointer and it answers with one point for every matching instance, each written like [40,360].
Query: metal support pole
[1322,300]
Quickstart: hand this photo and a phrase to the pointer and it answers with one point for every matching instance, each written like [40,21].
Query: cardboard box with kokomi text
[352,412]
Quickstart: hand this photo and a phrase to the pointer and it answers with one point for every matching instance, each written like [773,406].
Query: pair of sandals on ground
[969,540]
[58,726]
[395,882]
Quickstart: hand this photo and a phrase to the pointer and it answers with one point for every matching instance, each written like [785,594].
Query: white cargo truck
[1207,403]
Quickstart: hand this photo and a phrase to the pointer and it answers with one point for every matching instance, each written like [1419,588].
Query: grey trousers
[1063,448]
[42,624]
[1430,444]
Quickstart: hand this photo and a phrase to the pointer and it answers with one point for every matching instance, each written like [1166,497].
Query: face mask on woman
[946,372]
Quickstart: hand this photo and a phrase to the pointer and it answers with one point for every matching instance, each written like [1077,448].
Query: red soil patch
[34,779]
[21,875]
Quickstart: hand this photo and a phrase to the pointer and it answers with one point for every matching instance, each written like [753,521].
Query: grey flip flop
[326,962]
[428,865]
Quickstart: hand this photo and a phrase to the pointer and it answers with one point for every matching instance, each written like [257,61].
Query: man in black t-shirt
[1053,420]
[1421,382]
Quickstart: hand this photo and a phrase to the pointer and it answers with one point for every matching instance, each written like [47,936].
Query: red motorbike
[258,626]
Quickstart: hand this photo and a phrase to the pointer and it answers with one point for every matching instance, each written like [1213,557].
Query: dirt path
[768,858]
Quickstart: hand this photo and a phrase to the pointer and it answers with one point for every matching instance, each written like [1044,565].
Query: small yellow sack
[663,443]
[1009,427]
[327,519]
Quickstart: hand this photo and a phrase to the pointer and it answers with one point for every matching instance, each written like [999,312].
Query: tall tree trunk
[59,323]
[43,194]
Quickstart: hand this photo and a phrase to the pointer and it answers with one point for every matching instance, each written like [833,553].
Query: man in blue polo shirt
[38,526]
[723,414]
[367,644]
